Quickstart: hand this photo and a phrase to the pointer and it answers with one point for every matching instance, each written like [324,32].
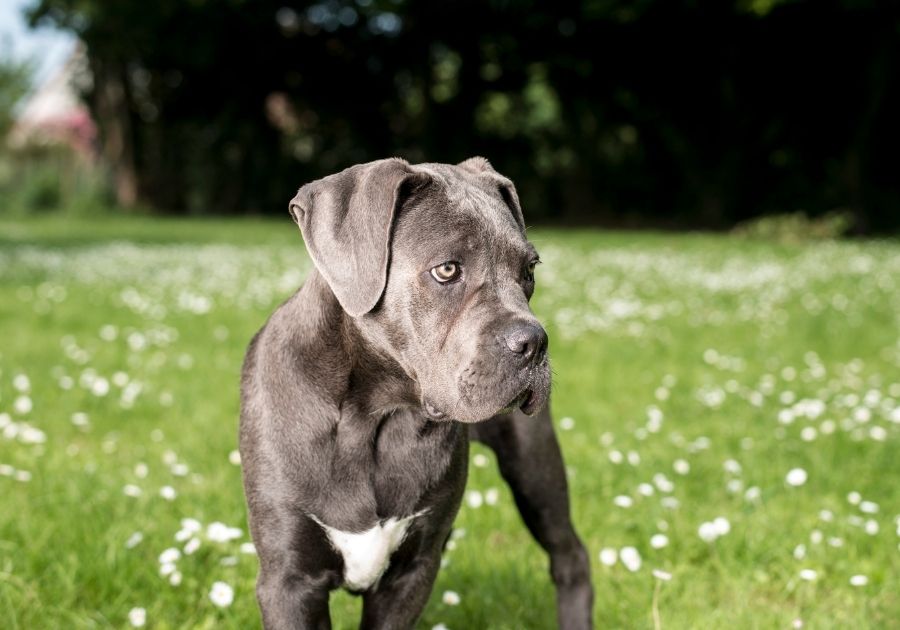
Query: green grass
[665,348]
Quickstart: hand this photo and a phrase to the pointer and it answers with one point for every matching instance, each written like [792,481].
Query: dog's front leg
[401,595]
[297,567]
[292,602]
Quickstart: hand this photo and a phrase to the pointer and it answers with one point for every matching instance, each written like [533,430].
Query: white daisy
[21,383]
[451,598]
[22,405]
[192,545]
[608,556]
[752,494]
[137,617]
[707,532]
[869,507]
[722,525]
[658,541]
[221,594]
[169,556]
[168,493]
[630,558]
[623,501]
[796,477]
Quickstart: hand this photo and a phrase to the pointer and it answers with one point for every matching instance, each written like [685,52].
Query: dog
[412,335]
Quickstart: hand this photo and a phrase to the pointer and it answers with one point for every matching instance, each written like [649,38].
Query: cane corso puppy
[359,396]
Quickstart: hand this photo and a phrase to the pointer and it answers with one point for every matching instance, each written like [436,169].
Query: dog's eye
[534,263]
[446,272]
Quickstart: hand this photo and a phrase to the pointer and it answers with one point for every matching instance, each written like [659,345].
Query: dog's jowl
[359,396]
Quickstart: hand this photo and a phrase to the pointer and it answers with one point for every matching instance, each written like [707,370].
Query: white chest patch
[367,554]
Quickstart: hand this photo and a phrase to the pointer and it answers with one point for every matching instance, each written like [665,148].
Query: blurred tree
[15,81]
[680,112]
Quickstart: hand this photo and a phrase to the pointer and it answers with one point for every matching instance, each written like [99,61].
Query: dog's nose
[528,340]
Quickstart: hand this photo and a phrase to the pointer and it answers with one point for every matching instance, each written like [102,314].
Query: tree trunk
[114,121]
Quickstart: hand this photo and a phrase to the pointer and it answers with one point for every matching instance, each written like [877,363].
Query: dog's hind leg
[531,463]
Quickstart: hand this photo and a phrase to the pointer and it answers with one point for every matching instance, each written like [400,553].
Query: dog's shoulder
[298,353]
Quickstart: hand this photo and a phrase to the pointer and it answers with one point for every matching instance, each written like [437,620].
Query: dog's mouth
[526,401]
[519,402]
[529,402]
[531,391]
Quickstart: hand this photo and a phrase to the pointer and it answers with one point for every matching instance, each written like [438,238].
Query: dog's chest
[367,554]
[391,479]
[409,457]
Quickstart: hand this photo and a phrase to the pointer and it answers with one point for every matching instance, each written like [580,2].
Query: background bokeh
[662,113]
[726,377]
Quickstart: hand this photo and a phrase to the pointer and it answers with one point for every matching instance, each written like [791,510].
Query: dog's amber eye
[445,272]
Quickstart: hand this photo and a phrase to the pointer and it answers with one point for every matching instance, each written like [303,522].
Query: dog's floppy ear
[480,166]
[346,221]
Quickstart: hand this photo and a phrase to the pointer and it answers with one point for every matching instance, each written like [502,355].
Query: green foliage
[51,179]
[533,114]
[41,190]
[676,111]
[15,81]
[797,227]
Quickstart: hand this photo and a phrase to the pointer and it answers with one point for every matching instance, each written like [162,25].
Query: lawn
[729,409]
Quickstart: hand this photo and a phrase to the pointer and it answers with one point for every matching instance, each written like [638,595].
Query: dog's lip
[529,402]
[522,398]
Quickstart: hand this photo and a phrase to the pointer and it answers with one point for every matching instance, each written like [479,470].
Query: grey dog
[359,396]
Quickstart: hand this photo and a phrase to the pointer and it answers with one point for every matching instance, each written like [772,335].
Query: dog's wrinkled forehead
[460,203]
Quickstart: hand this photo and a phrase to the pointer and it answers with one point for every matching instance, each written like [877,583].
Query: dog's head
[432,263]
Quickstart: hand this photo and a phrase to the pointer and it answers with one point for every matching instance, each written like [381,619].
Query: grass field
[729,409]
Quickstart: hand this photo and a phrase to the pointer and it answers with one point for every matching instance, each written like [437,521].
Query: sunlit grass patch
[729,412]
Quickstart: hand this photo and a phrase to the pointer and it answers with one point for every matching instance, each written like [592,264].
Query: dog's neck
[377,383]
[374,382]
